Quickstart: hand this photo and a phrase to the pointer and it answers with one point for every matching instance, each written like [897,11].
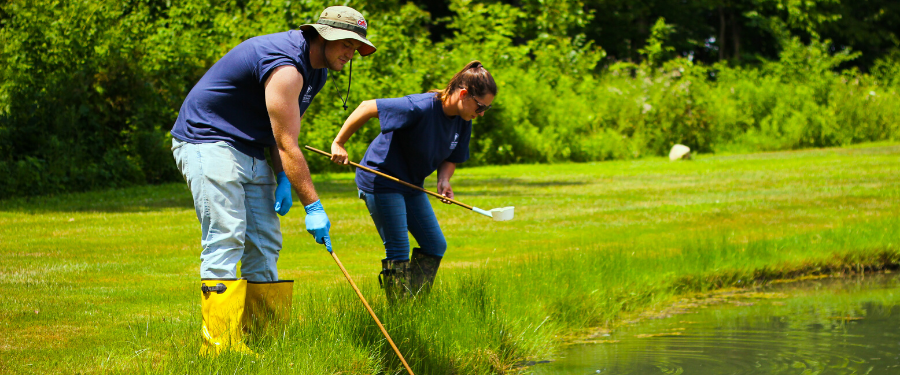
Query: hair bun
[474,77]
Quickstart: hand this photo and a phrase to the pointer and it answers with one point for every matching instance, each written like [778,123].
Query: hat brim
[333,33]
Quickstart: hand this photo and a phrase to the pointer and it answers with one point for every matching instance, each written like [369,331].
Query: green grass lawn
[106,281]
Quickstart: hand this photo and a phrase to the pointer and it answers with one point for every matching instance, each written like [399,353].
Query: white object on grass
[680,152]
[503,214]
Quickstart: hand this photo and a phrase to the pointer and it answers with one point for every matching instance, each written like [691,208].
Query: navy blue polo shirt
[416,137]
[229,102]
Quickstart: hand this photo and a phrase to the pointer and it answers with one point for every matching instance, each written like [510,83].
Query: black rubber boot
[394,278]
[423,268]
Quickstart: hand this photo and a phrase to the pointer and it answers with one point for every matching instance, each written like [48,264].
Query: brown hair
[474,78]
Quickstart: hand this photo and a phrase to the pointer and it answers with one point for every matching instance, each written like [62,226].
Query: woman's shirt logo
[455,141]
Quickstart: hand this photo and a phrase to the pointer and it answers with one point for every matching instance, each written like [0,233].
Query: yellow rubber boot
[222,304]
[268,306]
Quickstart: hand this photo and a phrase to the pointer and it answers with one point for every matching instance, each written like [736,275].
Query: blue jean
[394,214]
[234,196]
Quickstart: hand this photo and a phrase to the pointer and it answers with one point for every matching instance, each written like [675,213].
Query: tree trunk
[721,40]
[736,35]
[644,33]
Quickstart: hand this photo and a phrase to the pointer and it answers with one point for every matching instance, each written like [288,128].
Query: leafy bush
[89,90]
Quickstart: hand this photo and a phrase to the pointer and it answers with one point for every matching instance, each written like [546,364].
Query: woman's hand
[339,154]
[444,188]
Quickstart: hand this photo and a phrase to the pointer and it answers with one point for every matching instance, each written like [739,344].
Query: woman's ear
[463,93]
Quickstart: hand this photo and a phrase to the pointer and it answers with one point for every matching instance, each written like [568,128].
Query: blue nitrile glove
[317,223]
[327,244]
[283,200]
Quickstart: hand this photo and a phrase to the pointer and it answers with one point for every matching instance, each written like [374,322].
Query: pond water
[824,326]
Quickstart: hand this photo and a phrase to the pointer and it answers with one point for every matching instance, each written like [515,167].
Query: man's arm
[282,97]
[275,156]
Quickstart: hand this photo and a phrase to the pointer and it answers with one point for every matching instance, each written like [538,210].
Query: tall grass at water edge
[490,317]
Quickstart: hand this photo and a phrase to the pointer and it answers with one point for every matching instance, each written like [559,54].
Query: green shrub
[89,90]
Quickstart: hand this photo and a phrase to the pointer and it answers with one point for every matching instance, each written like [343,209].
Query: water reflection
[829,326]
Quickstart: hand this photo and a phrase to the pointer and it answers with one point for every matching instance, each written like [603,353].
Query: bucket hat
[340,22]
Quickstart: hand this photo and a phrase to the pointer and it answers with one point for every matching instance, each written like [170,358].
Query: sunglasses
[481,107]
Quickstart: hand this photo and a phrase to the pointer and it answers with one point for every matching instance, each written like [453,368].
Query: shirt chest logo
[455,141]
[307,97]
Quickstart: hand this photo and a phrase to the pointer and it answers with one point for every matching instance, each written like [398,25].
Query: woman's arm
[366,110]
[444,172]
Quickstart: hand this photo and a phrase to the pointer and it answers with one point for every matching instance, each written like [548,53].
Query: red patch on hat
[362,23]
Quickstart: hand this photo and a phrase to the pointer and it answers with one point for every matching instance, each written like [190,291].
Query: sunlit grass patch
[113,274]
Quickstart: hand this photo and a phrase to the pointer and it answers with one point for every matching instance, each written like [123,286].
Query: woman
[420,133]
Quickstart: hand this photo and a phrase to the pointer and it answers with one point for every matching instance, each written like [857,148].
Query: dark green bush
[90,89]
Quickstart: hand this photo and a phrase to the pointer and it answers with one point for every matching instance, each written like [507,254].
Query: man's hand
[317,223]
[283,199]
[444,188]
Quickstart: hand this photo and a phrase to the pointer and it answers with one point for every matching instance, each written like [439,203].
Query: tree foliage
[90,89]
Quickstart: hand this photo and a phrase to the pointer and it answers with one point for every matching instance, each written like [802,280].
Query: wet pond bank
[824,326]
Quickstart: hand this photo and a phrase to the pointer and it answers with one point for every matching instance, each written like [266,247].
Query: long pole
[397,180]
[369,308]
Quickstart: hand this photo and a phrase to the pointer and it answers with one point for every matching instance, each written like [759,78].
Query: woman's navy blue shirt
[416,137]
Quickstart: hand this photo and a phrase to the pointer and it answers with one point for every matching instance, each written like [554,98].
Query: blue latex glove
[283,200]
[317,223]
[327,244]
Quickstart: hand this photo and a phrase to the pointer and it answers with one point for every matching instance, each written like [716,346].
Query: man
[252,99]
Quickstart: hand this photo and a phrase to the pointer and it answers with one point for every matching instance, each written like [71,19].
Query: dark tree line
[738,31]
